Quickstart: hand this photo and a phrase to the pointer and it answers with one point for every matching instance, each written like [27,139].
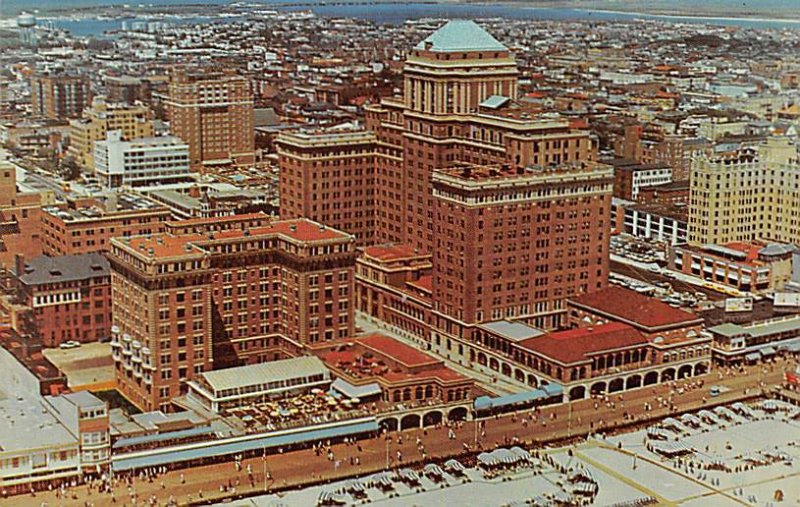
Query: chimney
[19,264]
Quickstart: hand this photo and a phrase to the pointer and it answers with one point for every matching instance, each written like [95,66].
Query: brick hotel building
[509,205]
[221,296]
[213,114]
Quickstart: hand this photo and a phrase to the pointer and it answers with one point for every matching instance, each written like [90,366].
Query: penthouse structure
[87,225]
[458,105]
[188,303]
[132,121]
[328,176]
[60,96]
[213,114]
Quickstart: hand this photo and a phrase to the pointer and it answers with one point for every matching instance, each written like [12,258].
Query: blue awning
[235,445]
[553,389]
[482,403]
[518,398]
[753,356]
[354,391]
[160,437]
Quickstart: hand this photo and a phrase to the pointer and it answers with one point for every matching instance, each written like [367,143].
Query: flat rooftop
[756,329]
[165,245]
[466,172]
[26,424]
[261,373]
[514,331]
[104,206]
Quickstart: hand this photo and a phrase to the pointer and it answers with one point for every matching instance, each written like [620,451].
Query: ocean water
[395,13]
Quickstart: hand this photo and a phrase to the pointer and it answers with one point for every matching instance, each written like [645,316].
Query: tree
[69,169]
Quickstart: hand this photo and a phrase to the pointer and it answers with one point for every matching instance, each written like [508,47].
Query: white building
[244,385]
[44,439]
[141,162]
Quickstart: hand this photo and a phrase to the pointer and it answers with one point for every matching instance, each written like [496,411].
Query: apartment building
[184,304]
[145,161]
[69,297]
[213,113]
[20,217]
[749,196]
[132,121]
[60,96]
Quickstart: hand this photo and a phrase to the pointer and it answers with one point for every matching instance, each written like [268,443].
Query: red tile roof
[634,308]
[576,345]
[396,350]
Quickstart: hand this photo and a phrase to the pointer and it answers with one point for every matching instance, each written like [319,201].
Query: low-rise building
[257,383]
[140,162]
[659,222]
[748,267]
[674,193]
[86,415]
[393,286]
[46,439]
[606,358]
[68,296]
[737,343]
[86,225]
[403,373]
[630,177]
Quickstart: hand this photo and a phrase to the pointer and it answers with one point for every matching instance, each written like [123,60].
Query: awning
[482,403]
[790,345]
[553,389]
[767,351]
[188,452]
[161,437]
[518,398]
[356,391]
[753,356]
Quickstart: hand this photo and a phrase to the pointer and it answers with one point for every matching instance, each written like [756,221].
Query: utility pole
[264,462]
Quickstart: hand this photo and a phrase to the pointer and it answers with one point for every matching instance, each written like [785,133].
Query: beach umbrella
[432,469]
[454,466]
